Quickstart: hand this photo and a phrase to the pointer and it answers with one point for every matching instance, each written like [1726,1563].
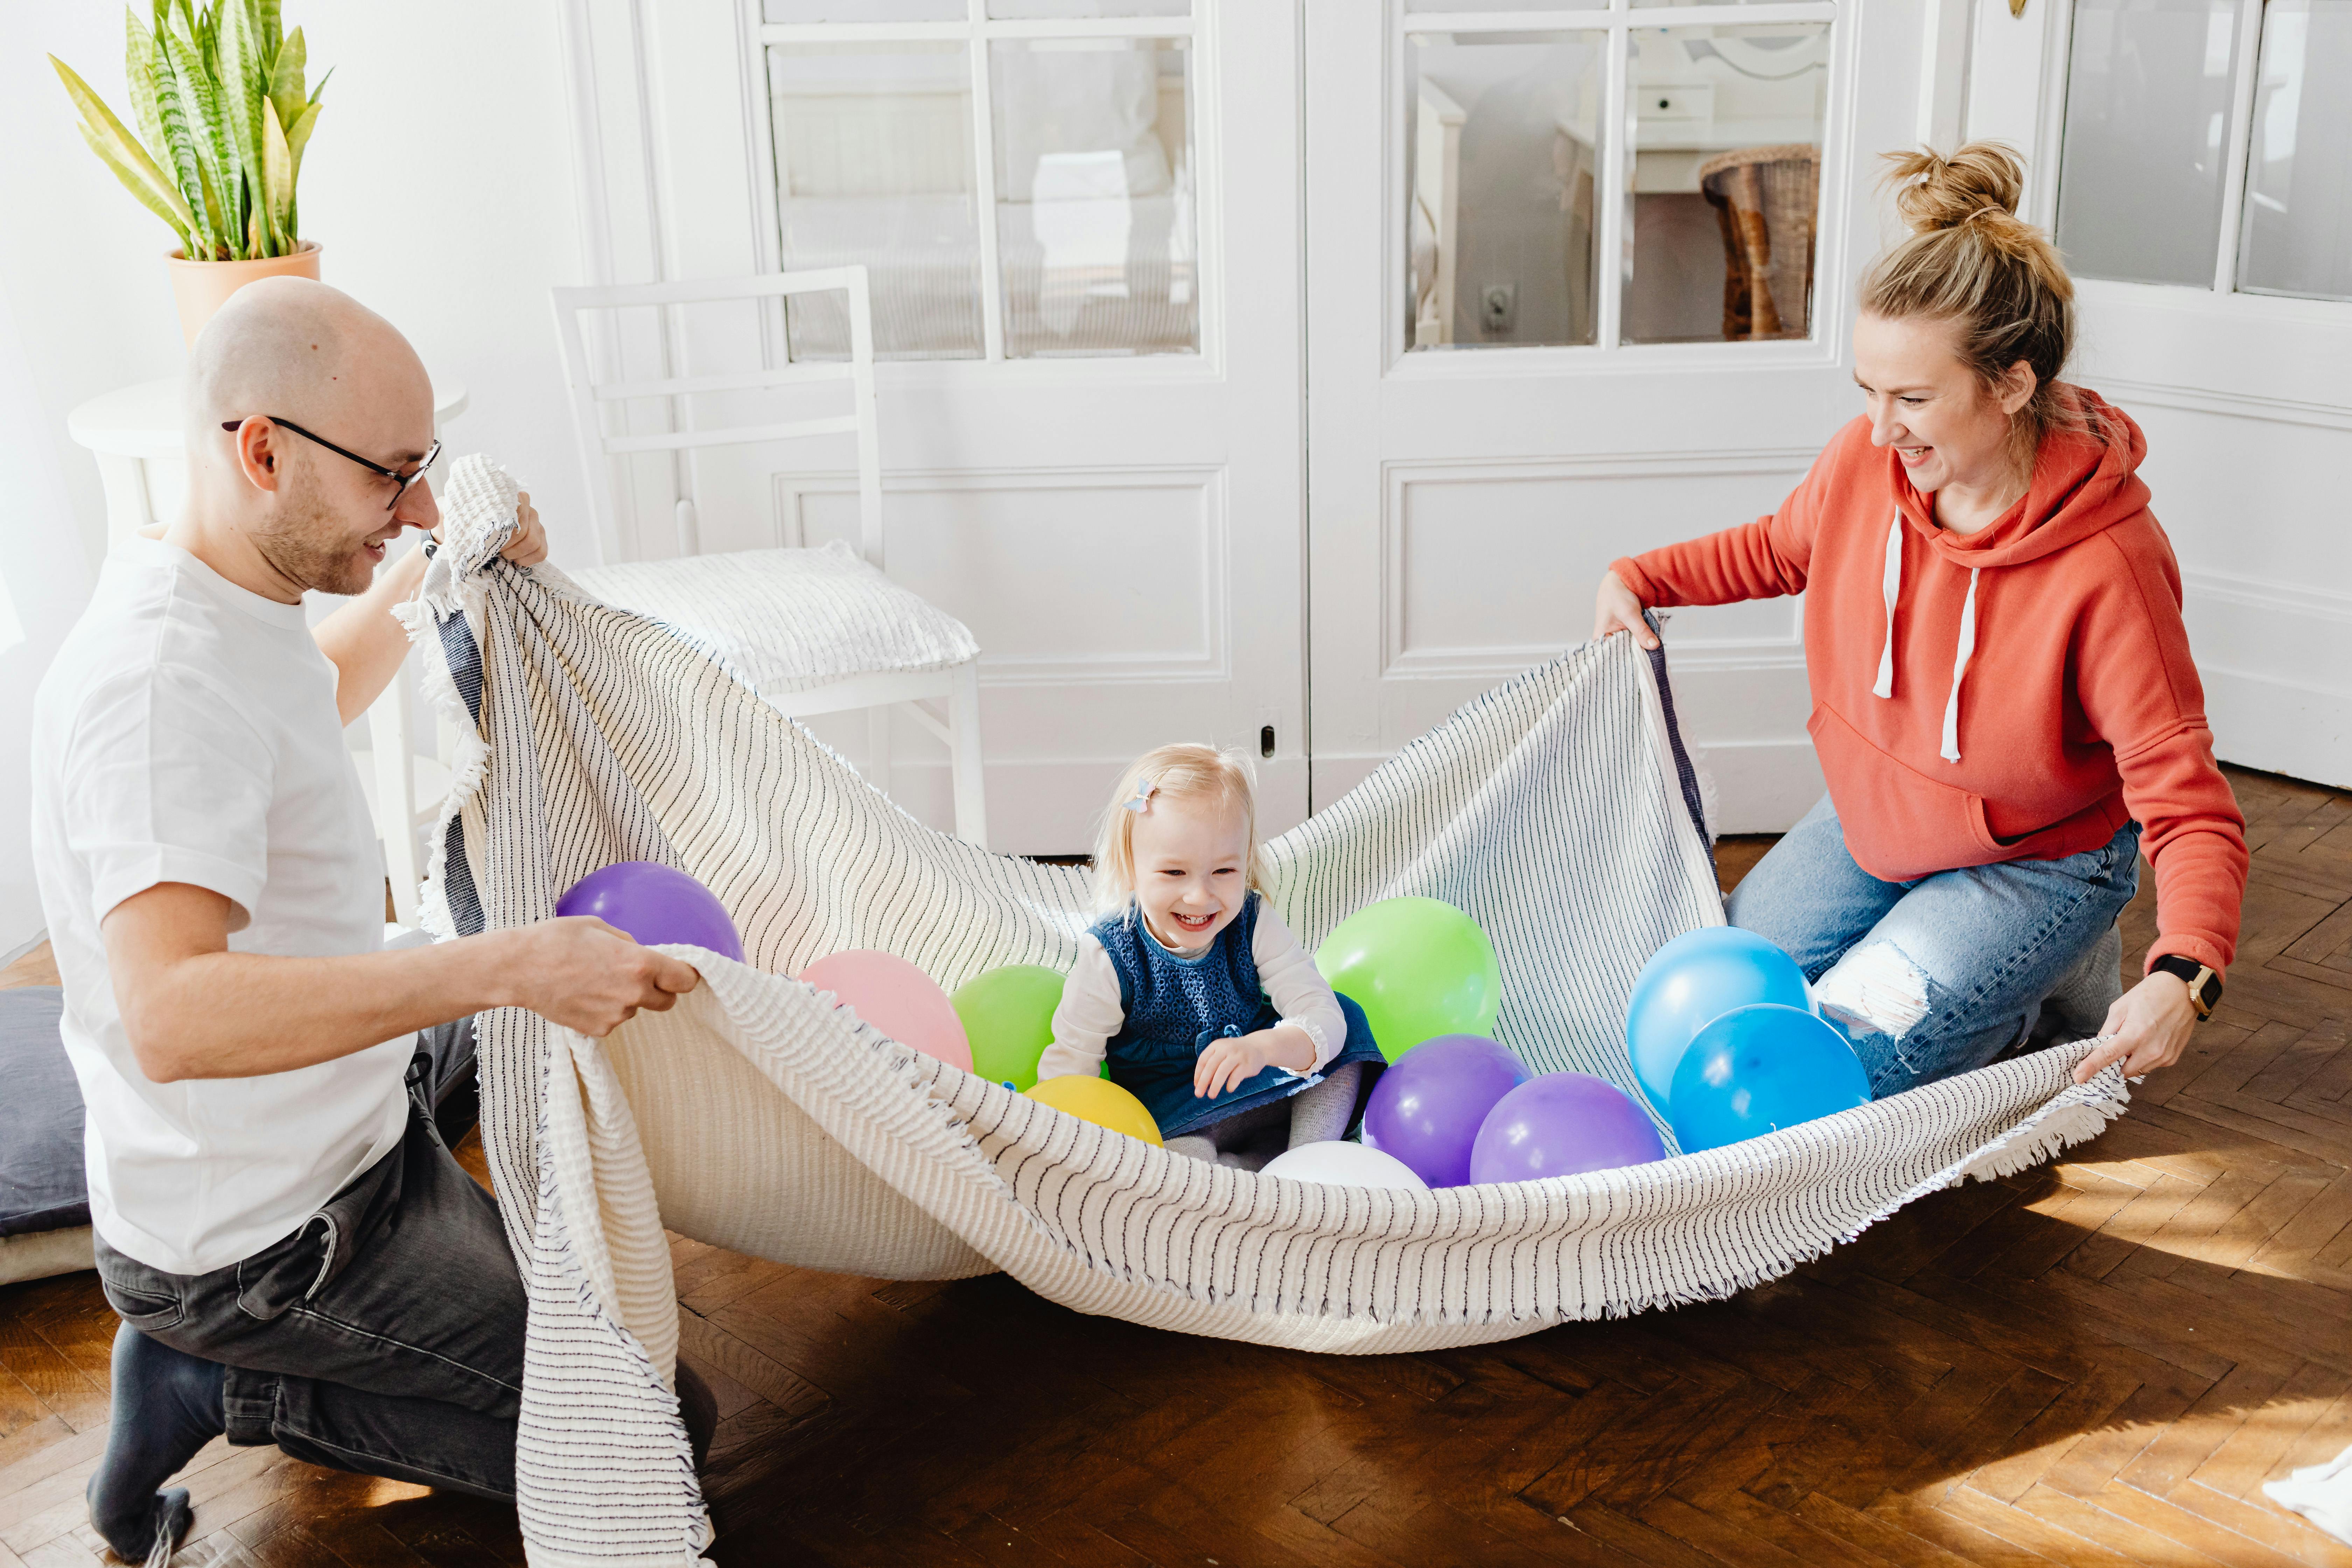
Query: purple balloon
[656,904]
[1563,1124]
[1428,1106]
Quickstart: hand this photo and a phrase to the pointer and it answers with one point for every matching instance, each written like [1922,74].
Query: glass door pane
[1095,225]
[874,164]
[1727,181]
[2147,126]
[799,11]
[2298,228]
[1057,9]
[1503,172]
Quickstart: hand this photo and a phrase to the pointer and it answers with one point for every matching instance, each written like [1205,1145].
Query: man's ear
[261,453]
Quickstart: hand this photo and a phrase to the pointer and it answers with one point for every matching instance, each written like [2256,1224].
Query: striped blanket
[1558,810]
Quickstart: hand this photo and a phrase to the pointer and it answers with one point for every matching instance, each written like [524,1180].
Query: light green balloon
[1418,967]
[1008,1015]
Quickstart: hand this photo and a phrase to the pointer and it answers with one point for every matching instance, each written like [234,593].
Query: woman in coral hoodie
[2004,704]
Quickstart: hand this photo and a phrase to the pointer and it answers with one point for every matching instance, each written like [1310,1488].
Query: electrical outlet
[1499,306]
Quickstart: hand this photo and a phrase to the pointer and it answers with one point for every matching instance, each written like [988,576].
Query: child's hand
[1227,1064]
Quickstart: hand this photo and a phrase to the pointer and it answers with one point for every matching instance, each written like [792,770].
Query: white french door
[2194,160]
[1081,222]
[1518,316]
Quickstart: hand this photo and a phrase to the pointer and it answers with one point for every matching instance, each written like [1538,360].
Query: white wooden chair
[404,792]
[815,630]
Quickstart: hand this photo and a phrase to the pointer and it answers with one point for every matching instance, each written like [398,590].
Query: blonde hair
[1182,772]
[1972,262]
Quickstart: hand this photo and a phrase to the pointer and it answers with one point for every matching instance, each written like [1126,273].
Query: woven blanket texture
[1557,810]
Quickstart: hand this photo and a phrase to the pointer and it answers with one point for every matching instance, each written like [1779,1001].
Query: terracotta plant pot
[200,287]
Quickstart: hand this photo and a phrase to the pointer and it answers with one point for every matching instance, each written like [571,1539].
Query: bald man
[295,1256]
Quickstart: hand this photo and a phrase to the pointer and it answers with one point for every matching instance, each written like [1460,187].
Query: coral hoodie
[2017,693]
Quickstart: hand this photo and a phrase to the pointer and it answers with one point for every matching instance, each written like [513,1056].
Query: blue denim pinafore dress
[1175,1007]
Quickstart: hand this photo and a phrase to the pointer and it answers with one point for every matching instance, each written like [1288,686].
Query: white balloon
[1344,1166]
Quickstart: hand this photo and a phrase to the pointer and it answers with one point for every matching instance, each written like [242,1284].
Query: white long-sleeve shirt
[1091,1012]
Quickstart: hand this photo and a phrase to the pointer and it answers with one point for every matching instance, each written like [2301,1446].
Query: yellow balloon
[1100,1101]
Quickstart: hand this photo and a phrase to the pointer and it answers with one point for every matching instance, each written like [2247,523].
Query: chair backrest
[1765,199]
[600,451]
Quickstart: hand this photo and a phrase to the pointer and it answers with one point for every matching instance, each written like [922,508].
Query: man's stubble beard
[312,548]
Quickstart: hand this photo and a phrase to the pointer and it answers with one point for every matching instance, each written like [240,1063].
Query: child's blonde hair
[1182,772]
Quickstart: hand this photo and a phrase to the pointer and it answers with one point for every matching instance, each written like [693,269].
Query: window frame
[2223,291]
[1617,20]
[976,30]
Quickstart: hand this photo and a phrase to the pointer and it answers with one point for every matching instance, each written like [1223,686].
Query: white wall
[440,183]
[439,180]
[42,586]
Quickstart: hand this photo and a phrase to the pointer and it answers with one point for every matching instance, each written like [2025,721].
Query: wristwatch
[2204,985]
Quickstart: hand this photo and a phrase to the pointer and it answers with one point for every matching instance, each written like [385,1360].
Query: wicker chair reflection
[1765,199]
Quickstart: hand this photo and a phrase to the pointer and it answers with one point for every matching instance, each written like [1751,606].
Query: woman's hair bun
[1982,181]
[1969,260]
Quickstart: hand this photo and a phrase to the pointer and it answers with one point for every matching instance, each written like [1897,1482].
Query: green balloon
[1418,967]
[1008,1015]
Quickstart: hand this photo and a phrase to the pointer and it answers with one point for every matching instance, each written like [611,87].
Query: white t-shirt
[187,732]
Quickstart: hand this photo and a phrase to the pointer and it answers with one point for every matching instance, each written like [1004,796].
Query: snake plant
[218,93]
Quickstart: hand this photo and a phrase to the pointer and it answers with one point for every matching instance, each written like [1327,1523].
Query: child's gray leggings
[1248,1140]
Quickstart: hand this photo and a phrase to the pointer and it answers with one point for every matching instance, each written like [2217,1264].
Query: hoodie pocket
[1899,823]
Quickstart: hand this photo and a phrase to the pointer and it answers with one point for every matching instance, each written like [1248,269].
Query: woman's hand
[1615,608]
[1233,1061]
[528,545]
[2148,1028]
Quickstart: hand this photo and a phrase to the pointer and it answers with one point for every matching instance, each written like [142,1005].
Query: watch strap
[2204,985]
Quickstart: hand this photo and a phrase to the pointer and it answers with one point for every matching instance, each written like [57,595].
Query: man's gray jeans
[387,1335]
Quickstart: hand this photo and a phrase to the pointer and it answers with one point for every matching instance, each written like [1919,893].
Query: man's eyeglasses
[403,481]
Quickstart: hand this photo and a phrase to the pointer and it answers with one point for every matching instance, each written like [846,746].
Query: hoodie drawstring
[1961,667]
[1892,587]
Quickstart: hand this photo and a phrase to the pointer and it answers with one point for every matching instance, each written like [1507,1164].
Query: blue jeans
[1940,975]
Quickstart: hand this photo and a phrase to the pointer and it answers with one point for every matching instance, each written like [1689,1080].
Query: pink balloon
[897,998]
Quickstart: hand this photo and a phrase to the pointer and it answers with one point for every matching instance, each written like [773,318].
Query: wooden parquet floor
[2094,1362]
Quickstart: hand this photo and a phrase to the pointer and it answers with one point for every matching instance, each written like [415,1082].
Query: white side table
[135,434]
[141,459]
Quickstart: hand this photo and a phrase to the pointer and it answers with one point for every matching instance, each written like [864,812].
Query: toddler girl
[1210,1012]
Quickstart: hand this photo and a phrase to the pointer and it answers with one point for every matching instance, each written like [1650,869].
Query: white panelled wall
[1133,539]
[439,182]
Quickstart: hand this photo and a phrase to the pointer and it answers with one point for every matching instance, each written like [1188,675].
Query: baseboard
[1759,786]
[21,948]
[2302,732]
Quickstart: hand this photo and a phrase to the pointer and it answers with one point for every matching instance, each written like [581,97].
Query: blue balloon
[1693,980]
[1757,1070]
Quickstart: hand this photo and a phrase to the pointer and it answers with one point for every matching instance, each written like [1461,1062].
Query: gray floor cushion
[44,1192]
[41,1182]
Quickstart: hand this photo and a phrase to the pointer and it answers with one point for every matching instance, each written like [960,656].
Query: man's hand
[1615,608]
[2148,1028]
[577,972]
[1233,1061]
